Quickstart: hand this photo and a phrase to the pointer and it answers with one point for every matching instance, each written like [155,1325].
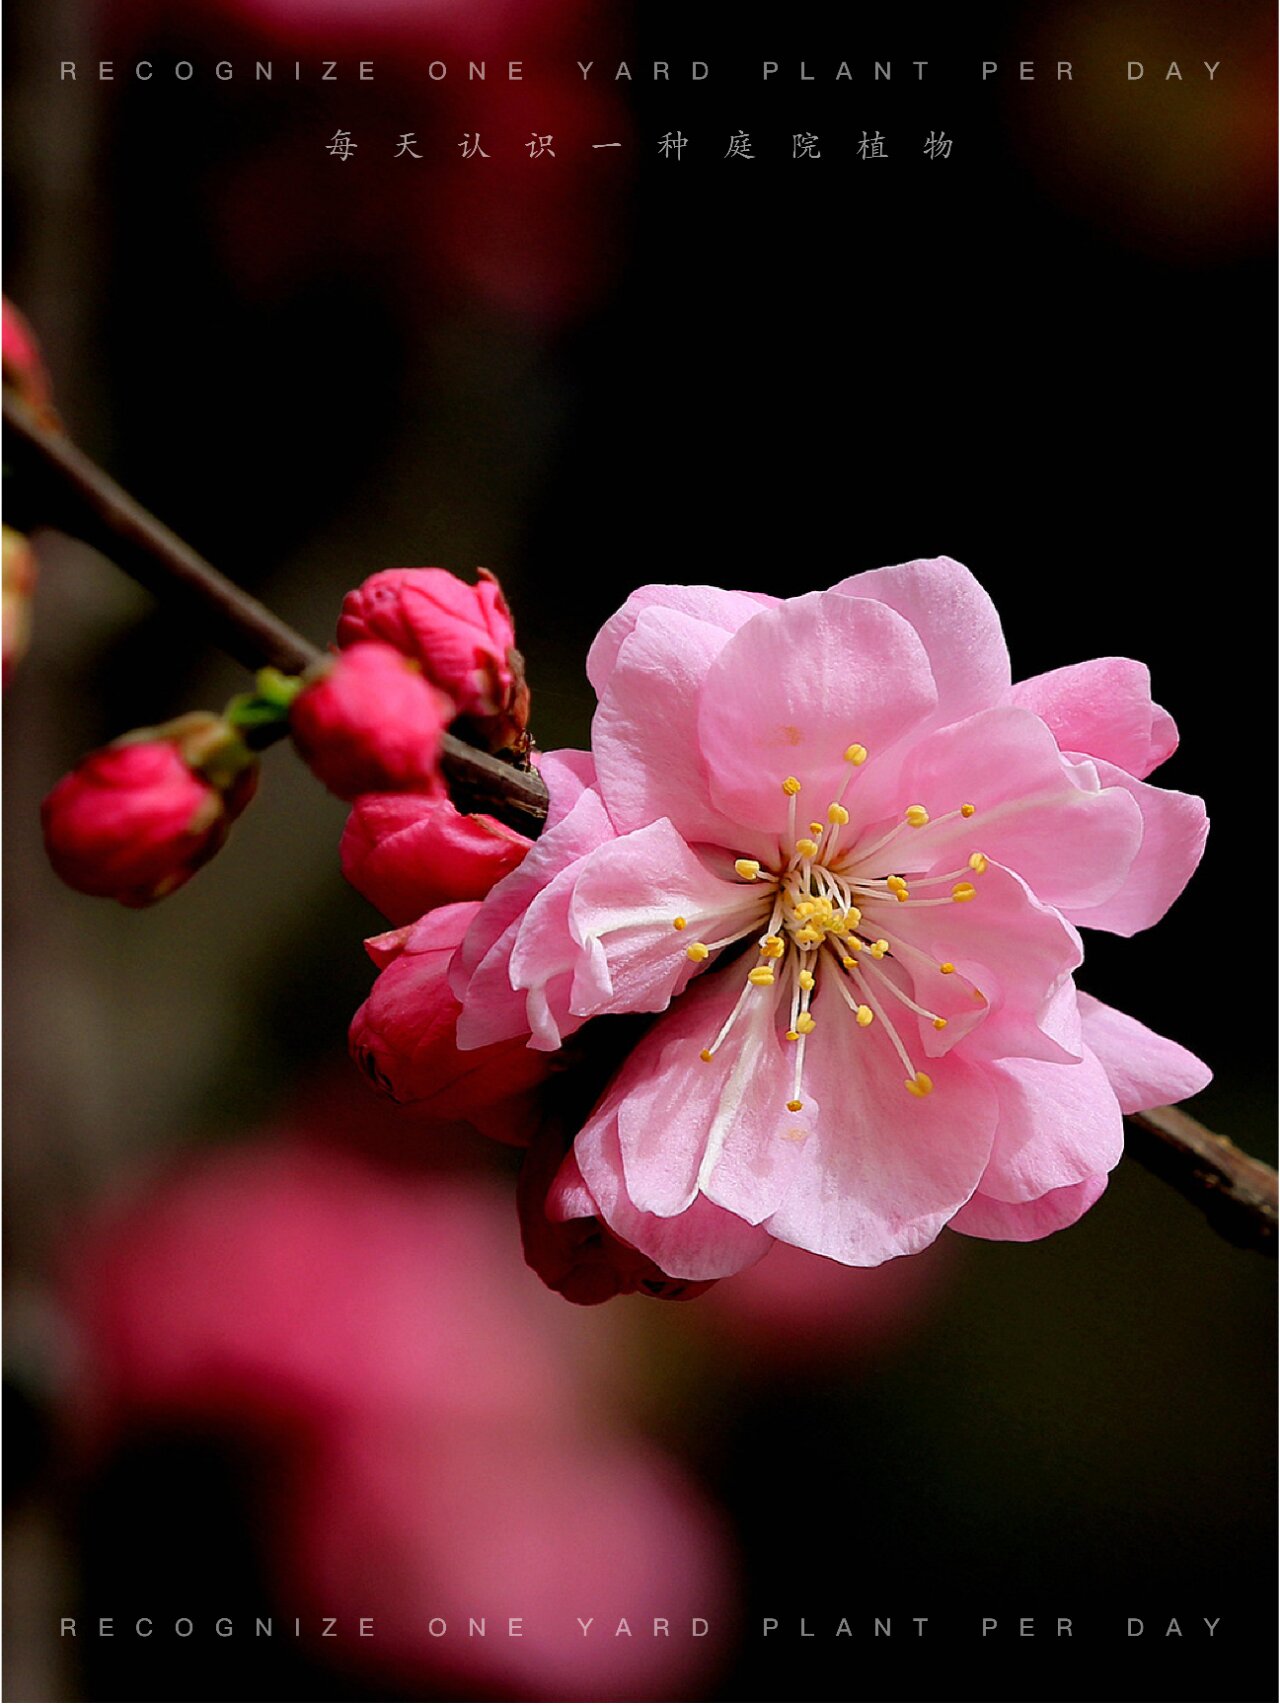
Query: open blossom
[845,859]
[370,721]
[136,819]
[461,635]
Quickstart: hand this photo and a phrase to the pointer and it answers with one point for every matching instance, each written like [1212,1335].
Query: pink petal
[707,604]
[625,898]
[1058,1125]
[1071,840]
[1103,708]
[1146,1070]
[568,773]
[885,1170]
[793,689]
[1021,1222]
[1174,828]
[645,733]
[956,623]
[705,1242]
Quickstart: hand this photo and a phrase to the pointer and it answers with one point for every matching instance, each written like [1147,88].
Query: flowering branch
[64,488]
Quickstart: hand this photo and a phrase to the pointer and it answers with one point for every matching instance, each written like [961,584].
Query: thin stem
[70,492]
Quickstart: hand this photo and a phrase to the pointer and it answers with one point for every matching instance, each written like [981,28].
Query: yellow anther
[806,908]
[920,1085]
[794,1107]
[894,884]
[963,891]
[679,923]
[791,786]
[806,1023]
[772,947]
[902,893]
[805,980]
[916,816]
[762,977]
[836,813]
[747,868]
[793,1036]
[978,862]
[855,754]
[879,949]
[810,935]
[816,828]
[863,1015]
[806,848]
[946,968]
[853,917]
[939,1024]
[705,1054]
[848,962]
[967,811]
[697,950]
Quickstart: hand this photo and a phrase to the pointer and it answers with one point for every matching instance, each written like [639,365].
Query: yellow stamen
[806,848]
[698,951]
[967,811]
[816,828]
[805,980]
[748,869]
[706,1054]
[894,884]
[836,813]
[863,1015]
[917,816]
[794,1107]
[810,935]
[963,891]
[848,962]
[679,923]
[853,917]
[791,786]
[772,947]
[879,949]
[946,968]
[855,754]
[762,977]
[902,893]
[939,1024]
[978,862]
[806,1023]
[793,1036]
[920,1085]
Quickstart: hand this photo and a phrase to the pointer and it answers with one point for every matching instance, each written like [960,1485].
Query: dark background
[1041,356]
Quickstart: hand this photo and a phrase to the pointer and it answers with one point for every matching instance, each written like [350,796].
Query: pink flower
[370,722]
[134,820]
[409,852]
[403,1037]
[461,635]
[845,859]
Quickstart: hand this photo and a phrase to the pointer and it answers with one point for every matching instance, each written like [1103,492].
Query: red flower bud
[462,635]
[403,1038]
[409,852]
[136,819]
[369,722]
[570,1249]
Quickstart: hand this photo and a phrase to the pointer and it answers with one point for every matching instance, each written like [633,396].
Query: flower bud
[403,1038]
[410,852]
[134,820]
[23,367]
[19,583]
[462,635]
[569,1247]
[369,722]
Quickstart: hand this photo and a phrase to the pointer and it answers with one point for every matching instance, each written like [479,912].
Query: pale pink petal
[625,899]
[885,1170]
[1146,1070]
[1021,1222]
[1174,828]
[708,604]
[645,734]
[1102,708]
[705,1242]
[794,689]
[1070,839]
[568,774]
[957,625]
[1058,1125]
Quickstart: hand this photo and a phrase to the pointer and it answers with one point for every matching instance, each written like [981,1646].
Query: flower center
[835,918]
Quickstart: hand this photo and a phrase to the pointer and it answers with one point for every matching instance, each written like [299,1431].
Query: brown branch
[63,488]
[72,493]
[1236,1192]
